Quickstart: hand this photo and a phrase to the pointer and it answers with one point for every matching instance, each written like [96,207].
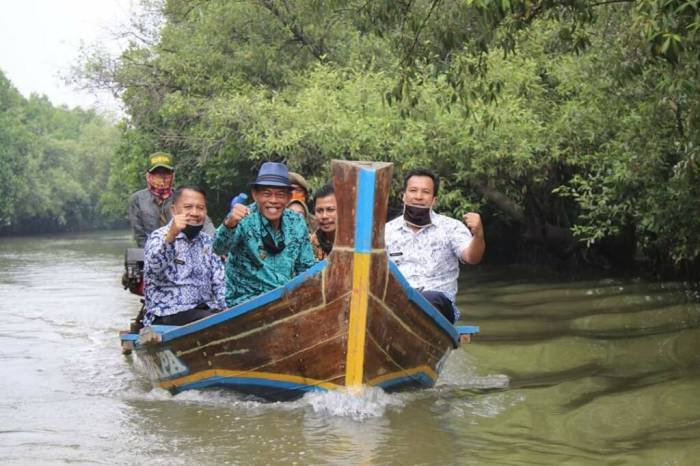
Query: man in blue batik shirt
[184,278]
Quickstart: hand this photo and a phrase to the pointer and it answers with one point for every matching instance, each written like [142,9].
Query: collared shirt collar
[277,234]
[158,201]
[267,224]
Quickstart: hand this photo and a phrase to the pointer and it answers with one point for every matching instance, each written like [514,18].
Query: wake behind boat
[351,320]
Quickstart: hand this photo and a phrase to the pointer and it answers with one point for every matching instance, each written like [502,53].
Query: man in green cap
[150,208]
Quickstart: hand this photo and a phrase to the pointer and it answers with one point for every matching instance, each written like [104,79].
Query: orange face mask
[298,196]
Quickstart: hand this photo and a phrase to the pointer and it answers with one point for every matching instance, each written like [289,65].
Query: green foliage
[15,144]
[126,172]
[571,125]
[644,171]
[54,164]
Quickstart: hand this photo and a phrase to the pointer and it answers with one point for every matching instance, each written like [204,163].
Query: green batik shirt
[250,269]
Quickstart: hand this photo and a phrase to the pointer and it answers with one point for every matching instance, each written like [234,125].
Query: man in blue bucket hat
[266,244]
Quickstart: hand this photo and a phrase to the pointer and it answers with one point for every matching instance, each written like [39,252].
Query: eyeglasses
[269,194]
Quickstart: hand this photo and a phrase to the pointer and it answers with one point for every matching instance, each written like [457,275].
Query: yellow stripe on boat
[427,370]
[357,325]
[271,376]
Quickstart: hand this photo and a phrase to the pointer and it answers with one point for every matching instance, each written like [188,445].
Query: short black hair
[325,191]
[191,187]
[423,172]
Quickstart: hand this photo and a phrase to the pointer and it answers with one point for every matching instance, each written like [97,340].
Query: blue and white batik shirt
[429,258]
[181,275]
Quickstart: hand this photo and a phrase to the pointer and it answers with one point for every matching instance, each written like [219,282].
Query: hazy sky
[40,40]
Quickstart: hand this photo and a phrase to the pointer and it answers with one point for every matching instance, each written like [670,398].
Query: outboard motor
[132,279]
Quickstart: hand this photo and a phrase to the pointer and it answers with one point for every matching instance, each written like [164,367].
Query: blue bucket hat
[272,174]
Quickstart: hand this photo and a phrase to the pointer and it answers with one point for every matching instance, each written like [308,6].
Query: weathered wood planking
[349,321]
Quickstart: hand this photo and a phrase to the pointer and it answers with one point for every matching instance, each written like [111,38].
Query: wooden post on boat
[362,194]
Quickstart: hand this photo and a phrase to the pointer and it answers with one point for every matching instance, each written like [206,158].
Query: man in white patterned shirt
[427,247]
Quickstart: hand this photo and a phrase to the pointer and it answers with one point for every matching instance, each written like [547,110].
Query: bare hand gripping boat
[351,320]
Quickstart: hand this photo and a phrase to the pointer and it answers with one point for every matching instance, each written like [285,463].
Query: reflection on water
[590,372]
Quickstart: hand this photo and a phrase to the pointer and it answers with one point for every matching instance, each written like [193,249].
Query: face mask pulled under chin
[416,216]
[191,231]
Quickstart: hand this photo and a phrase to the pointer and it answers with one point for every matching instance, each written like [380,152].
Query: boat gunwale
[245,307]
[169,333]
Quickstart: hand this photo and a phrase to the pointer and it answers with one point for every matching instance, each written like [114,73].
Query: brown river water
[587,372]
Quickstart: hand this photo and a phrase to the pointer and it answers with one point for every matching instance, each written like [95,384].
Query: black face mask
[270,246]
[324,241]
[416,216]
[191,231]
[268,243]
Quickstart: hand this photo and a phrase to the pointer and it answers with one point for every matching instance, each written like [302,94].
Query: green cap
[160,159]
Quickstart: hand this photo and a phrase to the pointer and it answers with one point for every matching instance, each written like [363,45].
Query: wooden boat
[350,321]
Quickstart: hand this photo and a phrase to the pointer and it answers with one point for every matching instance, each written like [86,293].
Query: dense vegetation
[571,125]
[54,165]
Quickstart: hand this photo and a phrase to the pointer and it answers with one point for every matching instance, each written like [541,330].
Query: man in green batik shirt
[265,243]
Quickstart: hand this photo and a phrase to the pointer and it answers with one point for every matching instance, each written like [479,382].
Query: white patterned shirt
[428,258]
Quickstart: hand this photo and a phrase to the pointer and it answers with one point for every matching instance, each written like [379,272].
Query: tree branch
[609,2]
[317,50]
[422,25]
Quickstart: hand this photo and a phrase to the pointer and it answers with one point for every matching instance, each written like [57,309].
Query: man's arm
[226,234]
[160,249]
[158,254]
[473,253]
[136,221]
[306,257]
[224,240]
